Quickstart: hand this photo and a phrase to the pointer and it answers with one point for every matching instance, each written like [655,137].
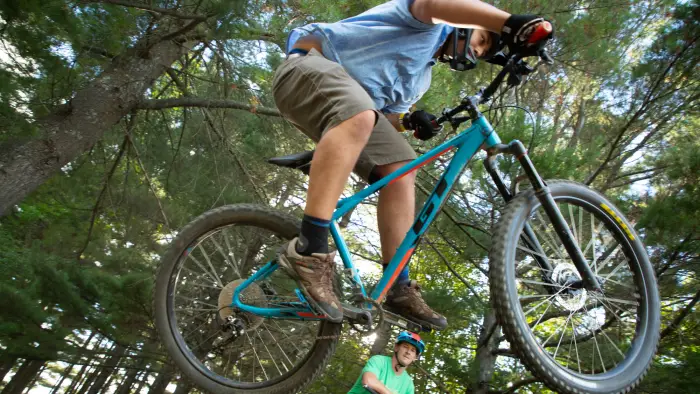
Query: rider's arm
[370,379]
[461,13]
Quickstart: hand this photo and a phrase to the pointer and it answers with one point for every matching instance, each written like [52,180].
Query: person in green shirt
[387,375]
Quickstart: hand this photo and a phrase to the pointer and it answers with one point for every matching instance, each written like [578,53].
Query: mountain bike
[570,280]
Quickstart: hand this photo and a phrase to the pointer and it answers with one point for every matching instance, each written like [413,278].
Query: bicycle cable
[532,120]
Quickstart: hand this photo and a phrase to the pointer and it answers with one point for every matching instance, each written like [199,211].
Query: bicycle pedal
[405,323]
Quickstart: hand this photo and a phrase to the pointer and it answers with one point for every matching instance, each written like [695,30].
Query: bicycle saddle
[299,161]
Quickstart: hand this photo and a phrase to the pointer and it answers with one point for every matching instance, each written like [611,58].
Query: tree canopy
[122,120]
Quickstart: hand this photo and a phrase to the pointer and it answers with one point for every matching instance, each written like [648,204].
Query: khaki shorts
[316,94]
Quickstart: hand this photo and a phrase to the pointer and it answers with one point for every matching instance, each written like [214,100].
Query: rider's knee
[362,124]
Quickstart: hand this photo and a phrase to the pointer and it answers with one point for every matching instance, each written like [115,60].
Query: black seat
[299,161]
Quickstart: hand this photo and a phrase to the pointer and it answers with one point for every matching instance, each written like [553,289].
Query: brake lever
[545,57]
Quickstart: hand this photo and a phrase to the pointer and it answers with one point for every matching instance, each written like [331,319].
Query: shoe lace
[415,288]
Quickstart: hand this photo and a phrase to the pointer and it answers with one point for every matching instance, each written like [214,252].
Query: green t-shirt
[380,366]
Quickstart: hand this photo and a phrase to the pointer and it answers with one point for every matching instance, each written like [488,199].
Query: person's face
[406,353]
[480,42]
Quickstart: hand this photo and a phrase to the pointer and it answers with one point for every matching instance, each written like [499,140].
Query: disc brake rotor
[570,299]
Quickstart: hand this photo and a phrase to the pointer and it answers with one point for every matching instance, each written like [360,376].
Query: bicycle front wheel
[208,259]
[576,341]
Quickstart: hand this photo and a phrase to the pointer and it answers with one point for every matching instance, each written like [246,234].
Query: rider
[348,86]
[387,375]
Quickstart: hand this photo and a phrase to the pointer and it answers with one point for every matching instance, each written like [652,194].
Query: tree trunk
[183,387]
[108,369]
[24,376]
[89,379]
[580,122]
[74,381]
[73,129]
[129,379]
[108,383]
[485,357]
[379,345]
[142,382]
[36,378]
[6,366]
[64,375]
[162,381]
[132,373]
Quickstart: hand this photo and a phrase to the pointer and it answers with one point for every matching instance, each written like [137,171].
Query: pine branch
[105,184]
[205,103]
[677,321]
[646,103]
[520,383]
[431,377]
[148,179]
[146,7]
[455,273]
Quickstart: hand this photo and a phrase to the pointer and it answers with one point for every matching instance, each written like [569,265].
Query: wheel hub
[573,298]
[252,295]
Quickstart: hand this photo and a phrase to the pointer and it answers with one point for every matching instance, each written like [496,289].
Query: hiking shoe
[315,276]
[406,300]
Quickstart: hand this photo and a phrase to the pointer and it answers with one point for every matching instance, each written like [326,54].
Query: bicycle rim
[574,339]
[270,350]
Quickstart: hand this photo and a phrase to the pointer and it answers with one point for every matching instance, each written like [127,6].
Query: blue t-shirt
[385,49]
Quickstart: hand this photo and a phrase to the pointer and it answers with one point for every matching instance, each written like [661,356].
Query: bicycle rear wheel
[576,341]
[208,259]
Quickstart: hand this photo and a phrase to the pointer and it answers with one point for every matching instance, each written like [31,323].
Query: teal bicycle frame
[467,143]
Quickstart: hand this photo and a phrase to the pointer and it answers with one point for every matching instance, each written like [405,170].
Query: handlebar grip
[542,31]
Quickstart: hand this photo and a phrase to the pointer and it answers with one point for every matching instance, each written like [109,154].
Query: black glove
[424,124]
[516,34]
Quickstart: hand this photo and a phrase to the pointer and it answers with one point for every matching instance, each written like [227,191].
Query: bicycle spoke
[600,354]
[208,260]
[585,332]
[225,256]
[268,348]
[573,338]
[268,352]
[573,224]
[211,275]
[524,249]
[562,335]
[280,348]
[549,237]
[548,298]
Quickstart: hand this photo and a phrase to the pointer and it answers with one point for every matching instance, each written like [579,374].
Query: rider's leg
[395,214]
[334,159]
[324,102]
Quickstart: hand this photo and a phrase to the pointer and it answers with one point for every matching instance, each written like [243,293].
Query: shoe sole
[286,265]
[421,322]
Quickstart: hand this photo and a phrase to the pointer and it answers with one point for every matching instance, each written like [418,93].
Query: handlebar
[514,67]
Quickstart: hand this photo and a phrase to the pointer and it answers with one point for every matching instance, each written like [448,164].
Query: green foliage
[78,255]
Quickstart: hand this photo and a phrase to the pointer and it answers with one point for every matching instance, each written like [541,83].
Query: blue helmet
[412,338]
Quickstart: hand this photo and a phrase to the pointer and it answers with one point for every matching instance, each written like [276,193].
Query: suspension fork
[529,238]
[550,207]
